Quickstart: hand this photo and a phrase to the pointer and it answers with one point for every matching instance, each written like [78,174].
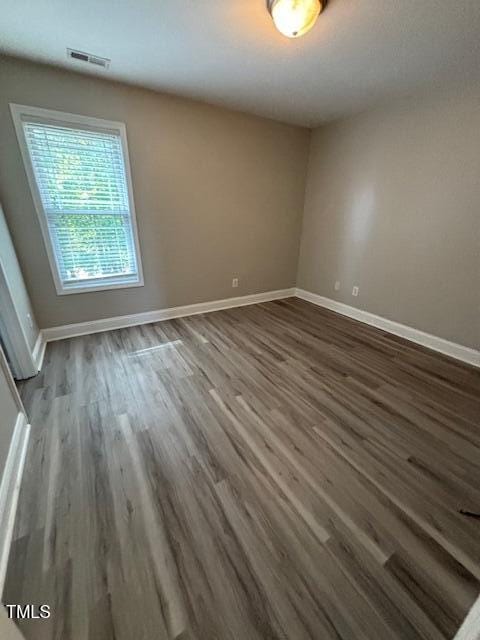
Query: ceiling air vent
[88,57]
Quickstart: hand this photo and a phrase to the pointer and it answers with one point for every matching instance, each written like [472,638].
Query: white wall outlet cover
[235,283]
[355,291]
[337,286]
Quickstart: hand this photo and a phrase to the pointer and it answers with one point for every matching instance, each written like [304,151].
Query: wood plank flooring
[270,472]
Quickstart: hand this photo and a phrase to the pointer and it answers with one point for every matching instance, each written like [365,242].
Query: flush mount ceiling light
[294,18]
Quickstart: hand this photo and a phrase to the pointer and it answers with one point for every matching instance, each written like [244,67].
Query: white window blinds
[81,180]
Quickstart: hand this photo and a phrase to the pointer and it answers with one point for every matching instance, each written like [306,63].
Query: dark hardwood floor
[274,471]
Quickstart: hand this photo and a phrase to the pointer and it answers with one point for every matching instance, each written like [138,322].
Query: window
[80,180]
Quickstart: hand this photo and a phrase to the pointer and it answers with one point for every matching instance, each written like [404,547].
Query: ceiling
[228,52]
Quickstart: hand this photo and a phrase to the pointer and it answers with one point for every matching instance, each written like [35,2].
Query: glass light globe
[294,18]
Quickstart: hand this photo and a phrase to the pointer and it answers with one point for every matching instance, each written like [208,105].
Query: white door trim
[11,477]
[10,490]
[13,334]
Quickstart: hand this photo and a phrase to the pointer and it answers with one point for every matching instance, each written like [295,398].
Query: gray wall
[393,206]
[218,194]
[8,629]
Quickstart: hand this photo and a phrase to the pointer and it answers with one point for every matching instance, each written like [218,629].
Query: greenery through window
[81,179]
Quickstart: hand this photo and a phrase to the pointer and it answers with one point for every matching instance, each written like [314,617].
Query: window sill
[97,286]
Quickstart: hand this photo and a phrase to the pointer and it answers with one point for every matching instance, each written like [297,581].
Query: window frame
[48,116]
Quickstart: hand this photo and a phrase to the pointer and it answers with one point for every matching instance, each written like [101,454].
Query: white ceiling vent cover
[88,57]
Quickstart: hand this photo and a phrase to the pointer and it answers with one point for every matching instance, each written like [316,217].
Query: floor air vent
[88,57]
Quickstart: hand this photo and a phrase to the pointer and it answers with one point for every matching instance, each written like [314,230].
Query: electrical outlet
[355,291]
[337,286]
[235,283]
[30,321]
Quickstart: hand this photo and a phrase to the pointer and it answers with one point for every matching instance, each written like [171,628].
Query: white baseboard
[119,322]
[452,349]
[39,350]
[457,351]
[10,489]
[470,629]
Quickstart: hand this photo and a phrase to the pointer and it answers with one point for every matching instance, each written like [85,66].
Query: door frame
[12,330]
[12,333]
